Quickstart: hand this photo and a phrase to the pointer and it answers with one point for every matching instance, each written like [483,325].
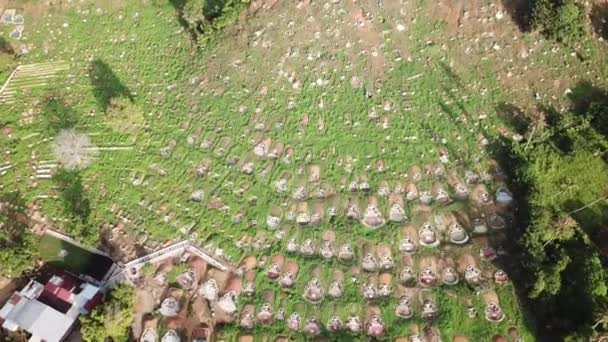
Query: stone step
[19,80]
[46,65]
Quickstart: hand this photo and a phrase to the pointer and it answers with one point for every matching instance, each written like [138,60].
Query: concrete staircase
[30,76]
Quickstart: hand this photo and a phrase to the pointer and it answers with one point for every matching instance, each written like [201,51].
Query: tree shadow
[6,47]
[584,94]
[73,193]
[13,218]
[599,19]
[514,116]
[57,114]
[451,74]
[214,9]
[178,5]
[501,150]
[106,85]
[520,12]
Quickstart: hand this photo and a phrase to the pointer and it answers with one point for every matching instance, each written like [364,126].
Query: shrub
[561,20]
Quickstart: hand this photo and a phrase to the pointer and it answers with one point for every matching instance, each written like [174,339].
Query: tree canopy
[112,318]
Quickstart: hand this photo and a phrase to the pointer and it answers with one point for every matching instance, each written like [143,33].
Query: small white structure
[171,336]
[169,307]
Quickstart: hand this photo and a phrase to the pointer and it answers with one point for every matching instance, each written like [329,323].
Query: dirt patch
[7,287]
[370,39]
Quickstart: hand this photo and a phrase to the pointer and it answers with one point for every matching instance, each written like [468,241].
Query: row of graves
[311,271]
[182,299]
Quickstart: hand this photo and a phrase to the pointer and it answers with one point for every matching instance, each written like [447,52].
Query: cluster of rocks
[10,17]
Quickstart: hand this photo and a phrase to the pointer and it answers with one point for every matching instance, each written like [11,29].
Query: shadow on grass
[106,85]
[178,5]
[500,150]
[513,116]
[6,47]
[73,193]
[13,218]
[520,12]
[57,115]
[599,19]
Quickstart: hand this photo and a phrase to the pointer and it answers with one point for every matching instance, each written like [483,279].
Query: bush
[112,318]
[561,20]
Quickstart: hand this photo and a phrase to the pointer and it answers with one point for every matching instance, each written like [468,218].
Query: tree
[17,258]
[74,150]
[111,319]
[565,173]
[560,20]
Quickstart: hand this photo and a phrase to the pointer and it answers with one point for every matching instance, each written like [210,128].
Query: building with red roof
[49,312]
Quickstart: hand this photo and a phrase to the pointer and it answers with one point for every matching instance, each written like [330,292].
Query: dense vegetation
[562,178]
[561,20]
[16,241]
[562,173]
[112,318]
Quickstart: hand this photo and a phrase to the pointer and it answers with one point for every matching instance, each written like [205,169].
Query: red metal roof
[93,302]
[15,298]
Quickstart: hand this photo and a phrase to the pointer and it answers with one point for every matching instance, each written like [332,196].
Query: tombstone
[429,310]
[293,323]
[407,246]
[249,289]
[384,189]
[496,222]
[346,253]
[210,291]
[428,237]
[369,291]
[274,271]
[292,246]
[353,324]
[287,279]
[372,218]
[265,316]
[500,277]
[326,250]
[375,326]
[487,253]
[385,289]
[493,312]
[313,327]
[247,320]
[425,197]
[457,234]
[404,308]
[170,336]
[307,248]
[449,276]
[471,177]
[228,303]
[169,307]
[335,289]
[197,196]
[407,277]
[313,292]
[334,324]
[472,275]
[428,278]
[368,263]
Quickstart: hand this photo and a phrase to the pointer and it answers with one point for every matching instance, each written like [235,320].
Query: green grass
[147,96]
